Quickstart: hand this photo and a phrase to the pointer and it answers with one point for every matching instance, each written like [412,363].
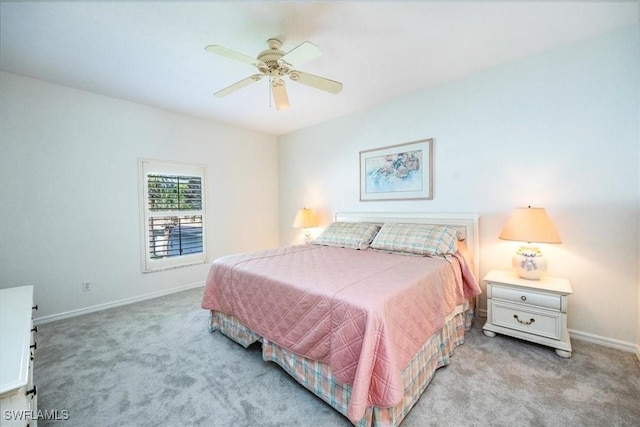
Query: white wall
[559,130]
[69,199]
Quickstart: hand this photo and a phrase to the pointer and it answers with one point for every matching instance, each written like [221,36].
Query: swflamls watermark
[40,414]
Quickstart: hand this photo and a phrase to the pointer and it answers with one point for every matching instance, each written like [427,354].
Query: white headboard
[466,225]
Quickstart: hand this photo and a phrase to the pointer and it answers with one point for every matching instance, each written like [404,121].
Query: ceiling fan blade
[316,81]
[305,51]
[232,54]
[238,85]
[280,94]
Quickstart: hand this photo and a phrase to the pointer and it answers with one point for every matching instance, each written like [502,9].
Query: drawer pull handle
[35,307]
[523,298]
[34,345]
[32,391]
[34,329]
[524,322]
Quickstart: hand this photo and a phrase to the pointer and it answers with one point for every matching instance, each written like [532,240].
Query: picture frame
[397,172]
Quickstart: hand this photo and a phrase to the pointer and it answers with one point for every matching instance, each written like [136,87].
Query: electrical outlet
[86,286]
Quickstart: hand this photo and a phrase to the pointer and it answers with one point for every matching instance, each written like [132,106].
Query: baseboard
[108,305]
[592,338]
[607,342]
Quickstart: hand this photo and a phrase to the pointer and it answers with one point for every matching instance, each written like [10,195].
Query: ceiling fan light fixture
[280,96]
[275,64]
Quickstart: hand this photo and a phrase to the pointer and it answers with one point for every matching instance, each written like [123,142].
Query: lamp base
[529,263]
[307,236]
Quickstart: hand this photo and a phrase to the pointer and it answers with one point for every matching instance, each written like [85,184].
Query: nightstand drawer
[522,318]
[524,296]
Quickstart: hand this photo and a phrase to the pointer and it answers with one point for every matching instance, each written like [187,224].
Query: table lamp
[305,219]
[531,225]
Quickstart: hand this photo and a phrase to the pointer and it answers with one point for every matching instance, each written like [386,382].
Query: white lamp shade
[305,219]
[530,225]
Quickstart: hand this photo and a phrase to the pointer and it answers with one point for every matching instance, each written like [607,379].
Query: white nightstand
[532,310]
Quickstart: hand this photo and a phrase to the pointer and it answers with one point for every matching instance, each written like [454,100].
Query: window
[173,217]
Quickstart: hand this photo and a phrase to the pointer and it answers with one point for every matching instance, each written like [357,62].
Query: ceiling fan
[274,64]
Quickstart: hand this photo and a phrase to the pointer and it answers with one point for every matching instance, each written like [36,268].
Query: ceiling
[153,52]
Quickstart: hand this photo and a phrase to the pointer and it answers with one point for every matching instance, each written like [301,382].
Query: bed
[364,316]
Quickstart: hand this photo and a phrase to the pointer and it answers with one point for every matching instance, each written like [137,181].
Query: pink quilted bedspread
[364,313]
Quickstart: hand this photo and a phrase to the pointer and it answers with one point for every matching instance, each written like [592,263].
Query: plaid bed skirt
[317,377]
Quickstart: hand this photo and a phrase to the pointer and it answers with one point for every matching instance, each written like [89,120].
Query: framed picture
[397,172]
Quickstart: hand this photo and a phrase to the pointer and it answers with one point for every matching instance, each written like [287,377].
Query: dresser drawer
[526,319]
[525,296]
[17,392]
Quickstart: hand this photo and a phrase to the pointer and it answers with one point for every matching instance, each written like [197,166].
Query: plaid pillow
[417,239]
[353,235]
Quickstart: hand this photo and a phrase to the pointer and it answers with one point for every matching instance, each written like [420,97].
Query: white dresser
[18,400]
[532,310]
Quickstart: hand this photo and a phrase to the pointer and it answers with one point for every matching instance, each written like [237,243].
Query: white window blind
[172,201]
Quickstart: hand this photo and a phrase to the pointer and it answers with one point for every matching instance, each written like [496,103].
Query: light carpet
[154,363]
